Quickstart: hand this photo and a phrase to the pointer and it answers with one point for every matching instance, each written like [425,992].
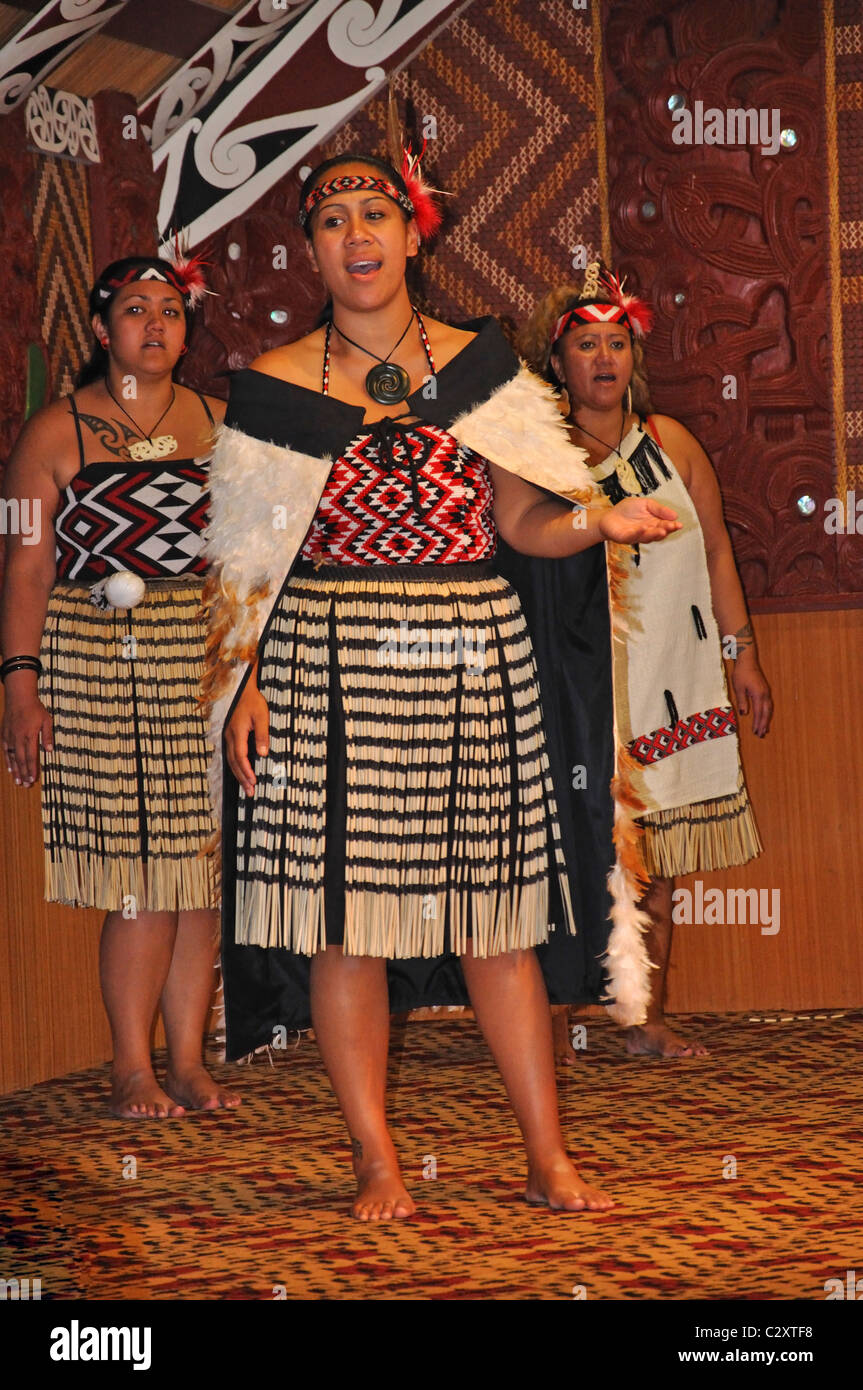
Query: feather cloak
[272,459]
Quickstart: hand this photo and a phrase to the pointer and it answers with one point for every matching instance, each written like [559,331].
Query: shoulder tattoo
[113,435]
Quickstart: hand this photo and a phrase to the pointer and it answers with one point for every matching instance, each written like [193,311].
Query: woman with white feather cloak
[389,828]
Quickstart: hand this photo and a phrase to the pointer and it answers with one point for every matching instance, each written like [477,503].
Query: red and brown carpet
[736,1177]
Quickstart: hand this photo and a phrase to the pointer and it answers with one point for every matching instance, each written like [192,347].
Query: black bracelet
[20,663]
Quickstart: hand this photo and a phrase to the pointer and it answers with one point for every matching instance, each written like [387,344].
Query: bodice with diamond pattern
[403,495]
[146,518]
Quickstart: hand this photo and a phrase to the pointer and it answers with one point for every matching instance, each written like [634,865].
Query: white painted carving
[358,36]
[62,123]
[198,80]
[22,60]
[243,183]
[223,152]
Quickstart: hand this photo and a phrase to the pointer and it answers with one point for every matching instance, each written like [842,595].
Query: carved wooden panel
[20,324]
[124,189]
[258,267]
[731,243]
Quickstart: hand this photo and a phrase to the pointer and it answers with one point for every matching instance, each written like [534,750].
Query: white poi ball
[124,589]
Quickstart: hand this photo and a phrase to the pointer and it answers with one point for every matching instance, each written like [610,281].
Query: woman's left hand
[751,689]
[637,521]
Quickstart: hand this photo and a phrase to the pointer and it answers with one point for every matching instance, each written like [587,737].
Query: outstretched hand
[638,520]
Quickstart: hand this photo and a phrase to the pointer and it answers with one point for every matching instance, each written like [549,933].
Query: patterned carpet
[233,1205]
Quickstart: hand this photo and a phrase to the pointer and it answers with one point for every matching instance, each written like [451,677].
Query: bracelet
[20,663]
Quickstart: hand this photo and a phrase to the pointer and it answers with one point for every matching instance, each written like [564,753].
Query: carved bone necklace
[147,447]
[615,450]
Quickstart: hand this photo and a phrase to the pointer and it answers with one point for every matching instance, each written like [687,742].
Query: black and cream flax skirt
[125,808]
[405,805]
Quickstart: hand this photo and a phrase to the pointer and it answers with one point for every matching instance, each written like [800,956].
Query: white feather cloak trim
[262,501]
[520,428]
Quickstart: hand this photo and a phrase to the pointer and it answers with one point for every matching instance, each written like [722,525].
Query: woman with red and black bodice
[389,827]
[104,643]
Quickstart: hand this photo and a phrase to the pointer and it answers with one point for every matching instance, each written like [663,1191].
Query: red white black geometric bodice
[402,495]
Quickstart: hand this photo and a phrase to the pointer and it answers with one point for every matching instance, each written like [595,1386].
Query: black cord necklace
[387,382]
[147,447]
[614,450]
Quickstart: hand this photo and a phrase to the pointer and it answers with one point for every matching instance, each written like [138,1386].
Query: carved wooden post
[20,324]
[124,190]
[725,226]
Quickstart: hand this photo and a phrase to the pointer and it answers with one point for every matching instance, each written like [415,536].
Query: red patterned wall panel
[18,257]
[124,190]
[731,241]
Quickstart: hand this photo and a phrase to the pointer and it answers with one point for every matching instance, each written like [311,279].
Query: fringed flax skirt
[405,805]
[124,793]
[705,835]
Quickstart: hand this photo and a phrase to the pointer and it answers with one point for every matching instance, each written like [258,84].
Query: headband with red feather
[172,266]
[613,306]
[188,269]
[427,213]
[418,202]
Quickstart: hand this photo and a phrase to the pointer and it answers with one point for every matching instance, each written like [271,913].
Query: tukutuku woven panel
[61,229]
[511,90]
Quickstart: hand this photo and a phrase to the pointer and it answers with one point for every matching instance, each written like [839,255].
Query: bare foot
[196,1089]
[555,1183]
[381,1194]
[657,1040]
[137,1095]
[564,1054]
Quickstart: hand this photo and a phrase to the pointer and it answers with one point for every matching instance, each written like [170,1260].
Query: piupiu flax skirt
[716,834]
[124,792]
[406,806]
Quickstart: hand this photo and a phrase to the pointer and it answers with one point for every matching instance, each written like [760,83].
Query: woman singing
[673,714]
[389,828]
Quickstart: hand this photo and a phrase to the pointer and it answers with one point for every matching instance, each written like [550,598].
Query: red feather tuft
[189,270]
[639,313]
[427,214]
[638,310]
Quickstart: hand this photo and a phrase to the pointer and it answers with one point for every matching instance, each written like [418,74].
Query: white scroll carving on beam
[62,123]
[43,43]
[357,36]
[237,175]
[197,81]
[224,159]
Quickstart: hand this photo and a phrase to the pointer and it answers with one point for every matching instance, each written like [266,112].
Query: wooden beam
[263,116]
[191,26]
[43,43]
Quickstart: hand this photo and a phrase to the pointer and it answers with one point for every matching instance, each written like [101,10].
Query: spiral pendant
[388,383]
